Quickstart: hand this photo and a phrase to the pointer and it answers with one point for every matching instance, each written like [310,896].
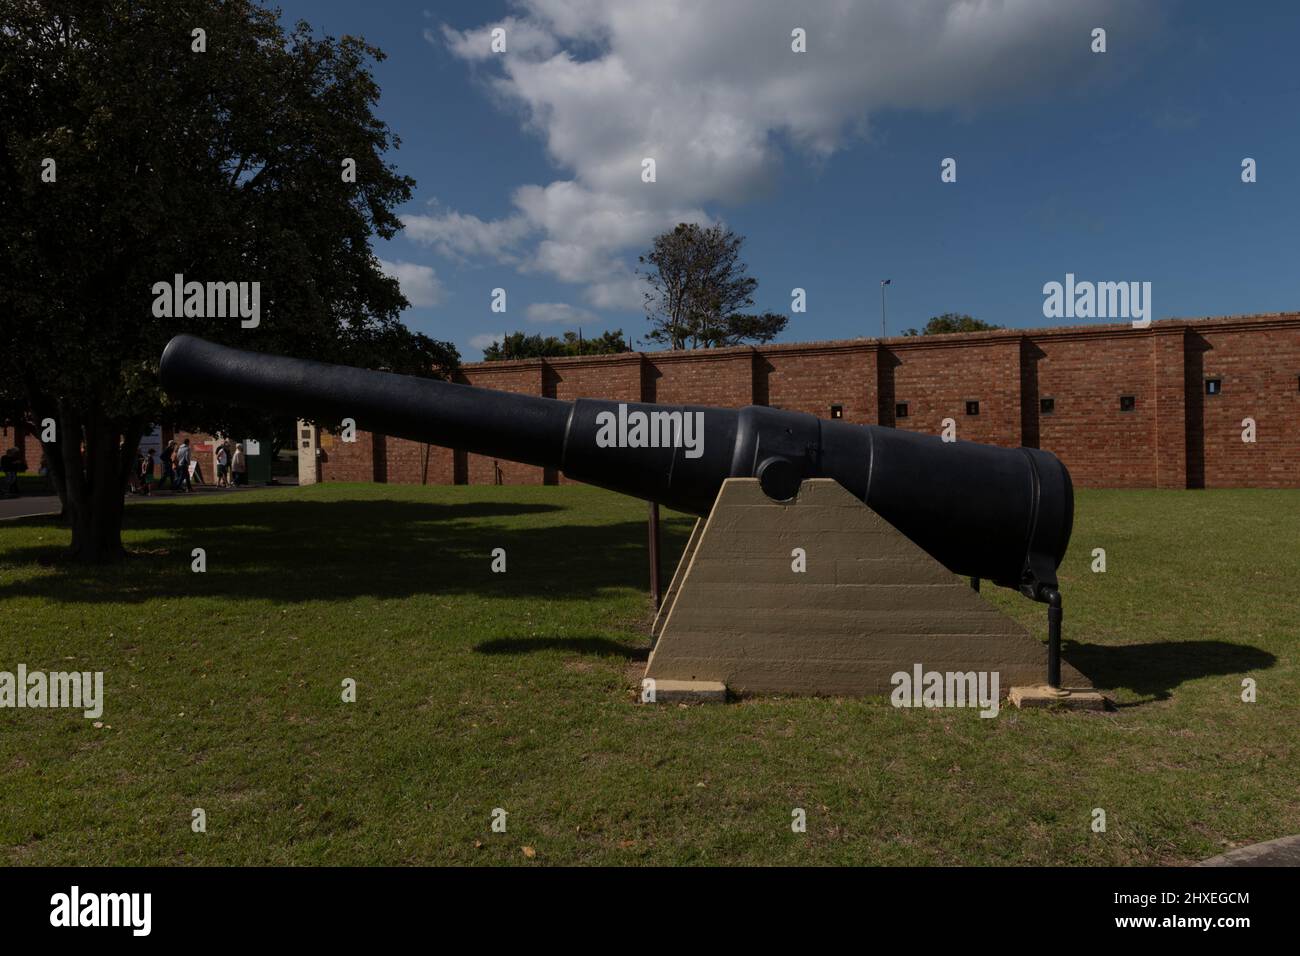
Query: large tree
[517,345]
[699,289]
[135,148]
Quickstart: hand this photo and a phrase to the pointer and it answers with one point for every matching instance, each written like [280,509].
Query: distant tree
[699,290]
[753,328]
[953,322]
[517,345]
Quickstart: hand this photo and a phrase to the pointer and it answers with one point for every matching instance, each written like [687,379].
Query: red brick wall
[812,380]
[414,463]
[1260,370]
[346,461]
[937,379]
[1169,393]
[385,458]
[722,377]
[1175,437]
[15,436]
[618,378]
[526,378]
[1086,374]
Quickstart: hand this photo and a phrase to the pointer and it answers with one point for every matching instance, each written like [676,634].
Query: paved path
[28,506]
[1284,851]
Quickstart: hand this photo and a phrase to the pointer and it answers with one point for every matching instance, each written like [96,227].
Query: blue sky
[1119,166]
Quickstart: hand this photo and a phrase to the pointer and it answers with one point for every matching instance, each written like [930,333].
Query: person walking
[240,466]
[223,463]
[167,479]
[183,466]
[11,462]
[146,474]
[135,478]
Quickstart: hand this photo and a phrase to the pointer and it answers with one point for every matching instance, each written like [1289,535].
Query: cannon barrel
[1003,514]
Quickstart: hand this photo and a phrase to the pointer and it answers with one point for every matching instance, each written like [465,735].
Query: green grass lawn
[518,690]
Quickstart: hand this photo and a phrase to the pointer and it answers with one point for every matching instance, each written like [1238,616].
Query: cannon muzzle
[1003,514]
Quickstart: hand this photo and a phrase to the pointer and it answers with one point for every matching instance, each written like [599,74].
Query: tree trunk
[95,456]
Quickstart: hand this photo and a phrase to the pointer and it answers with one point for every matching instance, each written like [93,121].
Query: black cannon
[1002,514]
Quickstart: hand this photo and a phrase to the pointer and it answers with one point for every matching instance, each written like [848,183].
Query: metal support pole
[1054,615]
[656,592]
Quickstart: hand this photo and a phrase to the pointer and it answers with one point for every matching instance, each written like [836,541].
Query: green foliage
[698,288]
[951,322]
[224,165]
[517,345]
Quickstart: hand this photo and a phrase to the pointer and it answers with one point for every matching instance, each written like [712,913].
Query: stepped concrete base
[869,604]
[1041,695]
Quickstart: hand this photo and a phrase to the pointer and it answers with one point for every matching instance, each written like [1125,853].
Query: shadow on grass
[290,551]
[595,646]
[1154,670]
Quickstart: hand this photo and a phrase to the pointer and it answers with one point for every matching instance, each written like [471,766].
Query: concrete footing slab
[689,692]
[1042,695]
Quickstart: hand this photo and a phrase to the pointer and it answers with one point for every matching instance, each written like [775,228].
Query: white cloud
[559,312]
[420,284]
[625,293]
[460,236]
[486,339]
[711,91]
[523,38]
[584,229]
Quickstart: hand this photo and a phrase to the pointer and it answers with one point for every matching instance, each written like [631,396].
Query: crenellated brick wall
[1175,435]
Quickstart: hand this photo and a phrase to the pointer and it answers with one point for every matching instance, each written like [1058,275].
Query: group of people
[182,469]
